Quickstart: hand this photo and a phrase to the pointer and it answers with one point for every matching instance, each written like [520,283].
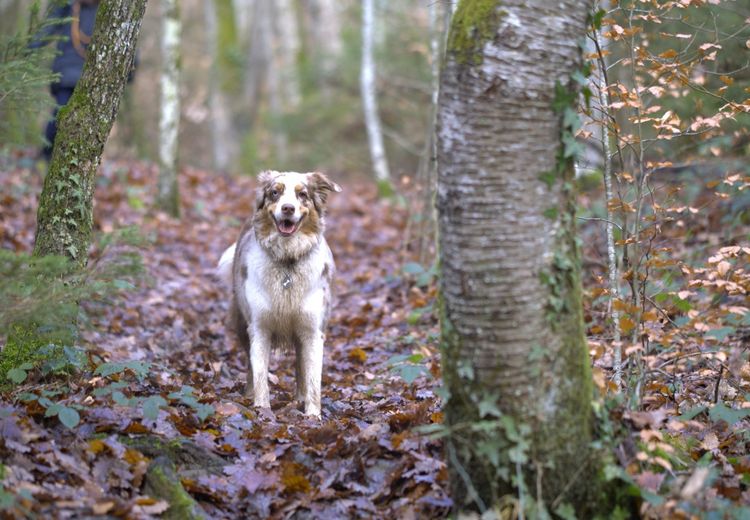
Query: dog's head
[290,203]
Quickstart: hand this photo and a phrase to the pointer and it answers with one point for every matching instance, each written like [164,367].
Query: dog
[281,270]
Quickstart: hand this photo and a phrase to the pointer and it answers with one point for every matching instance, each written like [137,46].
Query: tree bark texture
[169,121]
[511,316]
[369,95]
[65,215]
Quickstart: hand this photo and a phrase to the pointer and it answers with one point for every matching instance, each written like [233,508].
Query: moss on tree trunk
[163,482]
[65,215]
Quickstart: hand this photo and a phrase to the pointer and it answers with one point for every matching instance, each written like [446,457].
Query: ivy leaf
[720,412]
[204,411]
[151,406]
[413,268]
[566,512]
[16,375]
[571,147]
[409,373]
[719,334]
[52,410]
[571,120]
[690,414]
[549,177]
[69,417]
[488,406]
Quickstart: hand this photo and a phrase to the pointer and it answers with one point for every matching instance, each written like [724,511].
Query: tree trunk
[169,123]
[323,27]
[286,48]
[369,97]
[222,135]
[65,215]
[514,352]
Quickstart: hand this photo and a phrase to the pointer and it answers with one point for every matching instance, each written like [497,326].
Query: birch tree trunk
[514,353]
[65,215]
[369,98]
[169,122]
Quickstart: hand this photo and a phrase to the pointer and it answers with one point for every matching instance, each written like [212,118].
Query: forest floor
[163,379]
[166,338]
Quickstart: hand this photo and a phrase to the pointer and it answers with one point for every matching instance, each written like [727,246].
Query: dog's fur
[280,270]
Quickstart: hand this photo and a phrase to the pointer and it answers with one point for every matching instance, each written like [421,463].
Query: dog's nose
[287,209]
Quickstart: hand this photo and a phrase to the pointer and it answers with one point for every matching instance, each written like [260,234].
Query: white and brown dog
[280,270]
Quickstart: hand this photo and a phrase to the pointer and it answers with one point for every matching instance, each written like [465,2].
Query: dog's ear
[320,186]
[265,178]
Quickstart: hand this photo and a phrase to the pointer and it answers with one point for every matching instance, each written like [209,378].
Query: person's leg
[62,96]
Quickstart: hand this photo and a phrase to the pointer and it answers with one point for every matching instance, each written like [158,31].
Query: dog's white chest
[285,297]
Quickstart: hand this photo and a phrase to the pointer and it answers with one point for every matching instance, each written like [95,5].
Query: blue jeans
[62,96]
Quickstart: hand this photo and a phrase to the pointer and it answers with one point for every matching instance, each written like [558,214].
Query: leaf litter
[165,379]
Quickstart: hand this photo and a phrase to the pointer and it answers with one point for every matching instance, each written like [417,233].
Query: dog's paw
[312,412]
[266,414]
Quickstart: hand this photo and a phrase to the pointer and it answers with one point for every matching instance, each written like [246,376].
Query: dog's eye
[274,193]
[302,195]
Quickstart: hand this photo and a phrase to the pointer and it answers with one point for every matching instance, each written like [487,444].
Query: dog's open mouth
[287,226]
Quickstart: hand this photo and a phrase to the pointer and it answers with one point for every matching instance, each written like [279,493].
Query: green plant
[39,313]
[24,75]
[185,396]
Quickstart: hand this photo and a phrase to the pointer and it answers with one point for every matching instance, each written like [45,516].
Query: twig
[465,477]
[718,382]
[519,476]
[599,219]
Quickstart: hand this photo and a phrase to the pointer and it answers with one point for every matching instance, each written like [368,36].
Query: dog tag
[287,282]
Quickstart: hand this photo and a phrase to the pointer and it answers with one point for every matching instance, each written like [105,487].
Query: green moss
[163,482]
[229,54]
[26,346]
[385,189]
[474,23]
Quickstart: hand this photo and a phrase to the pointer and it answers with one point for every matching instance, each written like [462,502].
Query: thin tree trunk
[513,340]
[259,60]
[369,97]
[269,31]
[222,137]
[65,216]
[169,123]
[286,45]
[614,278]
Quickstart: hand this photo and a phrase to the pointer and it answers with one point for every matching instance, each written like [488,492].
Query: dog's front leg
[312,372]
[260,353]
[299,372]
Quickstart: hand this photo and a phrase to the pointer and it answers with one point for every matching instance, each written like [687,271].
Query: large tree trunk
[369,96]
[65,215]
[513,341]
[169,122]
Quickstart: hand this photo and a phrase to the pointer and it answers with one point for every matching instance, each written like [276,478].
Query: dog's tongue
[286,226]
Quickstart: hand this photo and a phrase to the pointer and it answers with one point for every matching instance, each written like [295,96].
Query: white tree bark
[511,316]
[169,121]
[369,96]
[614,277]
